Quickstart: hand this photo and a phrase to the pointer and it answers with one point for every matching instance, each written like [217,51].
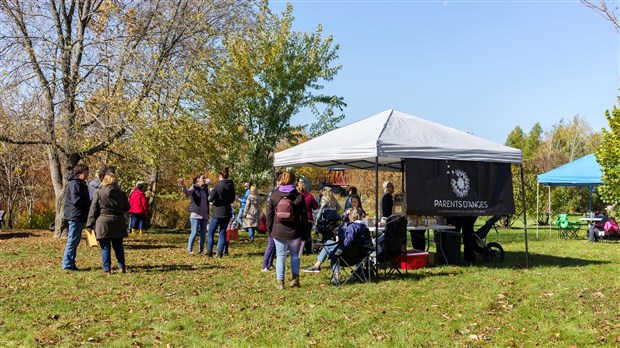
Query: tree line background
[163,90]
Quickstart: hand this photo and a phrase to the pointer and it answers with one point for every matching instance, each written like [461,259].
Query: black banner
[458,188]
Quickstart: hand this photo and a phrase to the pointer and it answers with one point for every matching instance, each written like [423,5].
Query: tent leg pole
[527,261]
[549,207]
[537,216]
[377,210]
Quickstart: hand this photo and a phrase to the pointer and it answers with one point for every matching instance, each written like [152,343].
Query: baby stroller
[327,223]
[490,251]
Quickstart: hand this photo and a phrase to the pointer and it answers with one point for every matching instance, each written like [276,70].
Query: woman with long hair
[107,217]
[251,212]
[198,210]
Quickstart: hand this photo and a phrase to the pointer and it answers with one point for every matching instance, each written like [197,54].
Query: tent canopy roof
[391,136]
[584,171]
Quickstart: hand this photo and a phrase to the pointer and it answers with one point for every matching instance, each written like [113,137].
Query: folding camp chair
[567,228]
[352,264]
[391,244]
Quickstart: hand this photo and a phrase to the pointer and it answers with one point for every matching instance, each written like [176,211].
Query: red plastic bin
[413,260]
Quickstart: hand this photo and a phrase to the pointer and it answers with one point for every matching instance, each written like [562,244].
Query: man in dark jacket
[77,202]
[221,196]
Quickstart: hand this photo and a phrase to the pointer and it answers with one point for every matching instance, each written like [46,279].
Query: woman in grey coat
[107,217]
[251,213]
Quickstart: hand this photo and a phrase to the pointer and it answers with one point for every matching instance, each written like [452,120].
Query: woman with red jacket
[311,205]
[139,208]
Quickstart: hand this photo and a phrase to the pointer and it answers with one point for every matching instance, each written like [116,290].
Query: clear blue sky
[483,67]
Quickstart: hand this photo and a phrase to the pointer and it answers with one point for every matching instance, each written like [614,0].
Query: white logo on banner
[459,182]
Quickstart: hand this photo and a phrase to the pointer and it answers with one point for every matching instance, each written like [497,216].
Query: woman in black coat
[221,197]
[107,217]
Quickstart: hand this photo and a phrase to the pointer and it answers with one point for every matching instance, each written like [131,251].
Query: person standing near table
[465,225]
[77,203]
[387,200]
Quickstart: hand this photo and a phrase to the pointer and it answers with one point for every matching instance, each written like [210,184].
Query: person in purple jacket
[287,232]
[198,210]
[270,251]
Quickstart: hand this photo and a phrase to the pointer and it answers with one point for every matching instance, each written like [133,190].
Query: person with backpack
[270,251]
[221,196]
[287,217]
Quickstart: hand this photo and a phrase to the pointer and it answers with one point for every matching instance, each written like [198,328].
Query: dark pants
[106,255]
[270,253]
[465,225]
[306,239]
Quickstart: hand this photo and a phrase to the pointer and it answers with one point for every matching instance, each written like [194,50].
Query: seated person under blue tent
[355,238]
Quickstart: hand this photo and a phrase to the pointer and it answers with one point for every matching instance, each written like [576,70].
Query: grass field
[569,297]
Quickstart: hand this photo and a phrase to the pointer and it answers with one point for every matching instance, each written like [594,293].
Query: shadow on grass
[516,260]
[149,246]
[16,235]
[169,268]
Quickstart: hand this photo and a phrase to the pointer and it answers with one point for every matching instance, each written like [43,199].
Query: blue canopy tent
[584,171]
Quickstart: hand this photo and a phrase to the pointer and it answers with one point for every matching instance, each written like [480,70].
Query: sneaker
[265,270]
[312,269]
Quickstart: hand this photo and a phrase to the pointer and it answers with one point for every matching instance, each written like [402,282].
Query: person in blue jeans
[270,251]
[221,197]
[242,201]
[287,227]
[198,210]
[77,203]
[107,217]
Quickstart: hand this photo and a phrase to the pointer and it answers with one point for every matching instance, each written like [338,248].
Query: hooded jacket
[107,213]
[287,230]
[77,200]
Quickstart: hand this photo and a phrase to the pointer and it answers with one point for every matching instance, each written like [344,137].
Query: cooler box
[413,260]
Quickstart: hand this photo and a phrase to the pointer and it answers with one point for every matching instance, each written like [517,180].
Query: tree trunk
[151,199]
[60,164]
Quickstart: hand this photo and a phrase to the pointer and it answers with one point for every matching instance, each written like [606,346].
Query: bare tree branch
[600,6]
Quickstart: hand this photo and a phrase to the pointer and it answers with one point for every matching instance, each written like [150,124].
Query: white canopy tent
[385,139]
[388,137]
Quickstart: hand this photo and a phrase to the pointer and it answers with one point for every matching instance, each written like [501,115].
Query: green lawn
[570,296]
